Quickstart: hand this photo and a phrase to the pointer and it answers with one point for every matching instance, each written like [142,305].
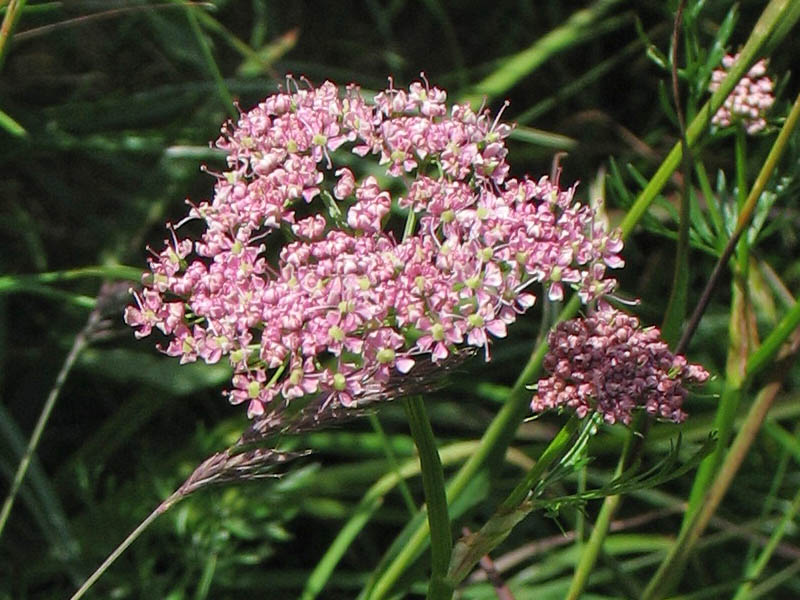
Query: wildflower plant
[344,305]
[353,251]
[300,282]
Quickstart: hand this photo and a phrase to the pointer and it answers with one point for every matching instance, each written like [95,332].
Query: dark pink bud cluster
[749,100]
[295,278]
[607,363]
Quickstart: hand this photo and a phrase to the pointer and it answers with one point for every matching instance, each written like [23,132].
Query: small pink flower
[750,100]
[606,363]
[346,184]
[310,228]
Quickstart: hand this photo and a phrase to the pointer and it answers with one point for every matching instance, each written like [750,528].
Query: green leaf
[11,126]
[472,547]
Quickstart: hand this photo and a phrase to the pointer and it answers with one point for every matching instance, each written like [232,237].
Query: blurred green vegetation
[106,113]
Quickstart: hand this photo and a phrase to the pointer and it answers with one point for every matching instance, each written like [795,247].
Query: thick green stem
[494,442]
[367,507]
[435,498]
[554,449]
[470,549]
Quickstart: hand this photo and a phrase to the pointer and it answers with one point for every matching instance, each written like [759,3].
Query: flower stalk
[435,498]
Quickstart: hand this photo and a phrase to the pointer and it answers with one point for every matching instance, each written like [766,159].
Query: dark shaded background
[119,105]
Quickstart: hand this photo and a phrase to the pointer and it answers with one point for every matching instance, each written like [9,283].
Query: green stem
[493,443]
[77,347]
[591,550]
[582,24]
[367,507]
[743,248]
[730,396]
[710,198]
[775,15]
[393,464]
[219,82]
[10,20]
[554,449]
[676,307]
[755,570]
[435,498]
[743,220]
[671,569]
[162,508]
[769,348]
[470,549]
[14,283]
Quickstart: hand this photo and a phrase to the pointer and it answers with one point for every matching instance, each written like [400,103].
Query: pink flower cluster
[750,99]
[296,278]
[606,363]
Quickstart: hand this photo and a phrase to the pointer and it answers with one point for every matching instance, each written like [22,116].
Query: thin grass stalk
[112,13]
[778,479]
[729,401]
[522,64]
[782,576]
[80,343]
[204,586]
[394,466]
[671,568]
[591,550]
[211,64]
[14,283]
[554,450]
[710,198]
[237,44]
[740,345]
[756,568]
[676,307]
[577,85]
[10,20]
[132,537]
[435,498]
[512,509]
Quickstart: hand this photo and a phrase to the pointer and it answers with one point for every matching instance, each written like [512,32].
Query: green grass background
[107,112]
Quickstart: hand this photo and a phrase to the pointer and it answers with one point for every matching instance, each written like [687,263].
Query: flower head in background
[297,281]
[607,363]
[750,99]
